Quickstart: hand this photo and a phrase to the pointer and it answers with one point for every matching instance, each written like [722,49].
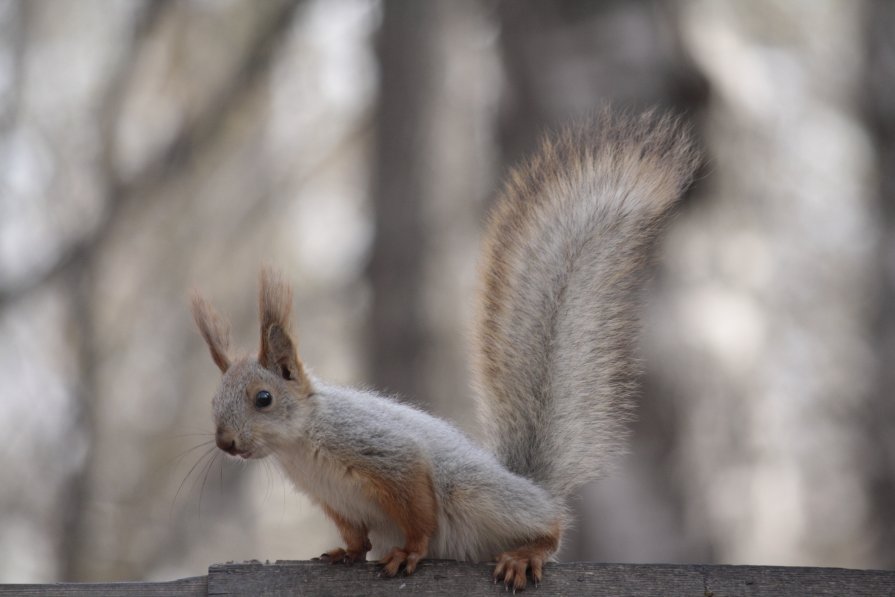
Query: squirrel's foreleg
[357,543]
[410,503]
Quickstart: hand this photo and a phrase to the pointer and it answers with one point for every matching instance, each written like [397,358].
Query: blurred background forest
[149,147]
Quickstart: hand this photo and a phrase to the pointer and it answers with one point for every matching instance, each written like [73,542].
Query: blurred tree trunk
[564,60]
[404,113]
[880,414]
[432,168]
[567,58]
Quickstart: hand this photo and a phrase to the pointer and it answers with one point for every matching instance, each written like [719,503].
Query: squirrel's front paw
[345,556]
[396,557]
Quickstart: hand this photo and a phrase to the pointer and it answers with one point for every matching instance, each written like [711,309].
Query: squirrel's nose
[225,441]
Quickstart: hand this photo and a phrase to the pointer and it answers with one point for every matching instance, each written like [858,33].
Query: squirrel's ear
[214,329]
[281,357]
[278,352]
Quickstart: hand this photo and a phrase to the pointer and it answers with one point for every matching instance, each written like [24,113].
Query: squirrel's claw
[512,568]
[396,557]
[342,556]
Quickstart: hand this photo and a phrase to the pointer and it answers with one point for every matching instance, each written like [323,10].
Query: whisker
[204,480]
[272,477]
[192,434]
[186,452]
[173,461]
[267,465]
[187,476]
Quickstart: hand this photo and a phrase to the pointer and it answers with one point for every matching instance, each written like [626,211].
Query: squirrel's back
[565,253]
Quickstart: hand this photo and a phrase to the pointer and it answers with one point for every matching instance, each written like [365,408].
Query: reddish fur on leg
[409,503]
[512,566]
[357,544]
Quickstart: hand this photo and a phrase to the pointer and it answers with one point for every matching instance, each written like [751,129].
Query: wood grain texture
[438,577]
[578,578]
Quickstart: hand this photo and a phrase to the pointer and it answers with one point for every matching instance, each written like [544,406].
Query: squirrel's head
[261,400]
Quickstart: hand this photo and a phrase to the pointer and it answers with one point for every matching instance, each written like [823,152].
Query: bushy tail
[566,251]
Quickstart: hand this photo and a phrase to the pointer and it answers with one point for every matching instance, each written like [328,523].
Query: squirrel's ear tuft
[274,302]
[278,351]
[214,329]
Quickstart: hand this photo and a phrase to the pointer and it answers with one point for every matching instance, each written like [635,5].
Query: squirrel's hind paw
[512,567]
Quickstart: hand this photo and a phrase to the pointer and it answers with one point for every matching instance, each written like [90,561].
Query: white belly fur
[327,482]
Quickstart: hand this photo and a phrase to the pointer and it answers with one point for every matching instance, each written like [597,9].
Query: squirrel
[565,255]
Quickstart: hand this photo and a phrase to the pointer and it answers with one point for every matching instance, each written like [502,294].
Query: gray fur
[566,253]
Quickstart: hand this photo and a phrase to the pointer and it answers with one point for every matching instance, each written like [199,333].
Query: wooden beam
[471,580]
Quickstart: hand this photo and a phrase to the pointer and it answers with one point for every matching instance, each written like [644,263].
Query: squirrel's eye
[263,399]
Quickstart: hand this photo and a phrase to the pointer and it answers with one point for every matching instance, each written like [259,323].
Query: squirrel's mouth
[245,455]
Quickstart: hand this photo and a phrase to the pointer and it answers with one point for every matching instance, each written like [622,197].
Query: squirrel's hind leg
[513,566]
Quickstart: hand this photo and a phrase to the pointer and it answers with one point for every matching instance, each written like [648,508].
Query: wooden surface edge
[571,578]
[295,577]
